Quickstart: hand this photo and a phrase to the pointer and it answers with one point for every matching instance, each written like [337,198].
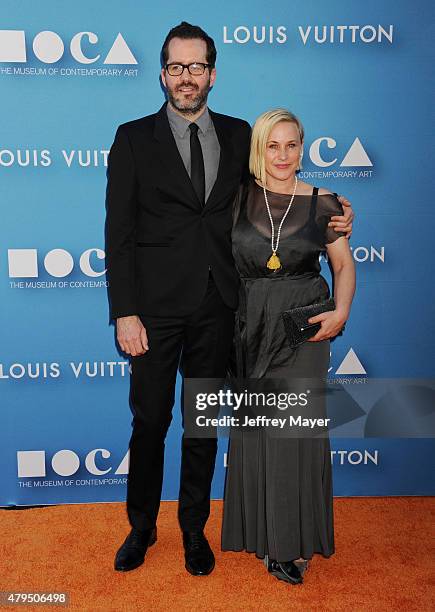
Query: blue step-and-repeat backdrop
[359,75]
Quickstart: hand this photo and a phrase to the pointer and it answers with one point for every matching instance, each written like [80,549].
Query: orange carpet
[384,561]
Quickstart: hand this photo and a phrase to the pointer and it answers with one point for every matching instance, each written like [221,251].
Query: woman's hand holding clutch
[332,323]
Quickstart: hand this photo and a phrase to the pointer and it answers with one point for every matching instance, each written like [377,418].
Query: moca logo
[32,463]
[48,47]
[23,263]
[355,156]
[351,365]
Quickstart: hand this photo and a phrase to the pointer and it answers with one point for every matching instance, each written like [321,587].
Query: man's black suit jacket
[160,241]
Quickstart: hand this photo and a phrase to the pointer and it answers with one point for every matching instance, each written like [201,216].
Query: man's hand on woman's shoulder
[343,223]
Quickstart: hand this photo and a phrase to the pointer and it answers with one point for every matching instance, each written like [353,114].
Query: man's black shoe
[132,552]
[198,554]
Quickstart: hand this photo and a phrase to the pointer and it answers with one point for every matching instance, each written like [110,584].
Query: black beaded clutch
[296,325]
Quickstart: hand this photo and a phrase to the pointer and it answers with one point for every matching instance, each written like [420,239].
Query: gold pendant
[273,263]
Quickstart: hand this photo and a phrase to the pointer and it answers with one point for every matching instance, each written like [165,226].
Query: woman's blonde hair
[260,134]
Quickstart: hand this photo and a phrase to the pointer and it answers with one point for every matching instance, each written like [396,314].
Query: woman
[278,496]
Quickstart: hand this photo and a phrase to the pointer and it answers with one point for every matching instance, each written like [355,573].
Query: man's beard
[194,103]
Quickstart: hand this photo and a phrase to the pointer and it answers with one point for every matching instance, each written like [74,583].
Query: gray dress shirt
[207,138]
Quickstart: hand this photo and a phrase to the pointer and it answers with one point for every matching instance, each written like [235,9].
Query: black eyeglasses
[195,69]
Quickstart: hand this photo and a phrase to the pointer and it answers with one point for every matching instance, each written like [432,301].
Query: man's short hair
[188,31]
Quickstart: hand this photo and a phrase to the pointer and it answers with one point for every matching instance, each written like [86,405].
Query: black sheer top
[304,234]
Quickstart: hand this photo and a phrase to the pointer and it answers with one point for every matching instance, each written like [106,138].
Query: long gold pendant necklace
[273,263]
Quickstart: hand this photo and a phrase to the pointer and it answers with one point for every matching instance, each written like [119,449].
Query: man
[172,178]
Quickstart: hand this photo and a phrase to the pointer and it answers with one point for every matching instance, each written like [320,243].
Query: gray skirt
[278,491]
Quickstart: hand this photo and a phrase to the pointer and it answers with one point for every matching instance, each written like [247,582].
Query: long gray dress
[278,493]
